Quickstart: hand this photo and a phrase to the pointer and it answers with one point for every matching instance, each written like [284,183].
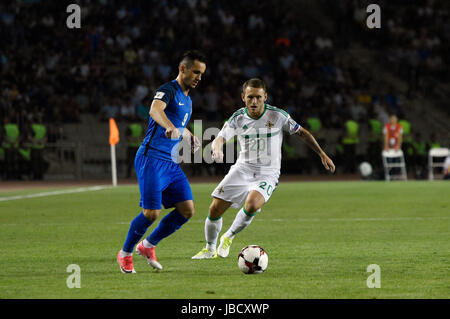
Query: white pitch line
[353,219]
[61,192]
[332,219]
[200,221]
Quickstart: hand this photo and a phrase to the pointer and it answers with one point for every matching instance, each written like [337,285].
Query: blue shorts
[160,182]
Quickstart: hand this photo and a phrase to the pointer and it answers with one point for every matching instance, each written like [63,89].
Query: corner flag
[113,140]
[113,132]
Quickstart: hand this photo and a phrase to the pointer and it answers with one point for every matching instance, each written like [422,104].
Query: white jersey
[260,139]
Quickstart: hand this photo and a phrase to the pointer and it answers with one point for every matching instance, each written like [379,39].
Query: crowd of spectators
[419,38]
[123,51]
[413,40]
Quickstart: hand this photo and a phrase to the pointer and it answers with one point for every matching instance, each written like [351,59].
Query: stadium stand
[317,57]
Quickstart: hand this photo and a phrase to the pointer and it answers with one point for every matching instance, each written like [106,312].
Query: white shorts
[241,180]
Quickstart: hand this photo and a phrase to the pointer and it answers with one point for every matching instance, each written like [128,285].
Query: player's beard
[194,84]
[255,111]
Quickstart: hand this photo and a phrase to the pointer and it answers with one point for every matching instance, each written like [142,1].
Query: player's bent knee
[186,208]
[188,213]
[151,214]
[251,206]
[254,202]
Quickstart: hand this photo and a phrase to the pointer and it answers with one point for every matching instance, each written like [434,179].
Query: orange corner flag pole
[113,132]
[113,140]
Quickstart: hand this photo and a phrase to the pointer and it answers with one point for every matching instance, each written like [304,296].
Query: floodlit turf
[320,238]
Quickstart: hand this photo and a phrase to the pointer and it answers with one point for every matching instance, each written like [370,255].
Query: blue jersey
[178,110]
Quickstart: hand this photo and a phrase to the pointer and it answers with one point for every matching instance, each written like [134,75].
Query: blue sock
[138,227]
[167,226]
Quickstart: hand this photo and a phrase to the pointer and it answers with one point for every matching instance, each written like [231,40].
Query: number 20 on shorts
[269,188]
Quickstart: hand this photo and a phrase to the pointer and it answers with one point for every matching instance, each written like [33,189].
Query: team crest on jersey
[269,124]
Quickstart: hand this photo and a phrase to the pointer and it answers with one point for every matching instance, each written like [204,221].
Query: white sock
[146,243]
[212,230]
[125,254]
[241,221]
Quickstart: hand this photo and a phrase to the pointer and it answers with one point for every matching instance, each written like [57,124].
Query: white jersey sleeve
[290,125]
[228,130]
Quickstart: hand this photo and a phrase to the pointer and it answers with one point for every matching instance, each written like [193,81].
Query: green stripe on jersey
[274,108]
[246,112]
[238,112]
[262,135]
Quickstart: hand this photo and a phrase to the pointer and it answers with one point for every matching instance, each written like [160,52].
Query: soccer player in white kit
[253,178]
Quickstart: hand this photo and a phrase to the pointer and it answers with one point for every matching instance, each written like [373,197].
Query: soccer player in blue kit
[160,178]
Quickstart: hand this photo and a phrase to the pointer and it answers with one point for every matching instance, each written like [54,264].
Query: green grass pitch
[320,238]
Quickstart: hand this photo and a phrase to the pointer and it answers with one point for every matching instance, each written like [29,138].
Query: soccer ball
[365,169]
[253,259]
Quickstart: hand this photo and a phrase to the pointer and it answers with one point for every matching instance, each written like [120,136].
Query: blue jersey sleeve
[165,93]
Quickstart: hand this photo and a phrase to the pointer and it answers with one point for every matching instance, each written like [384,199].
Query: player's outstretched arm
[160,117]
[307,137]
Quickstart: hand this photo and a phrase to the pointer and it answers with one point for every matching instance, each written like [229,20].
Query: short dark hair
[190,56]
[254,83]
